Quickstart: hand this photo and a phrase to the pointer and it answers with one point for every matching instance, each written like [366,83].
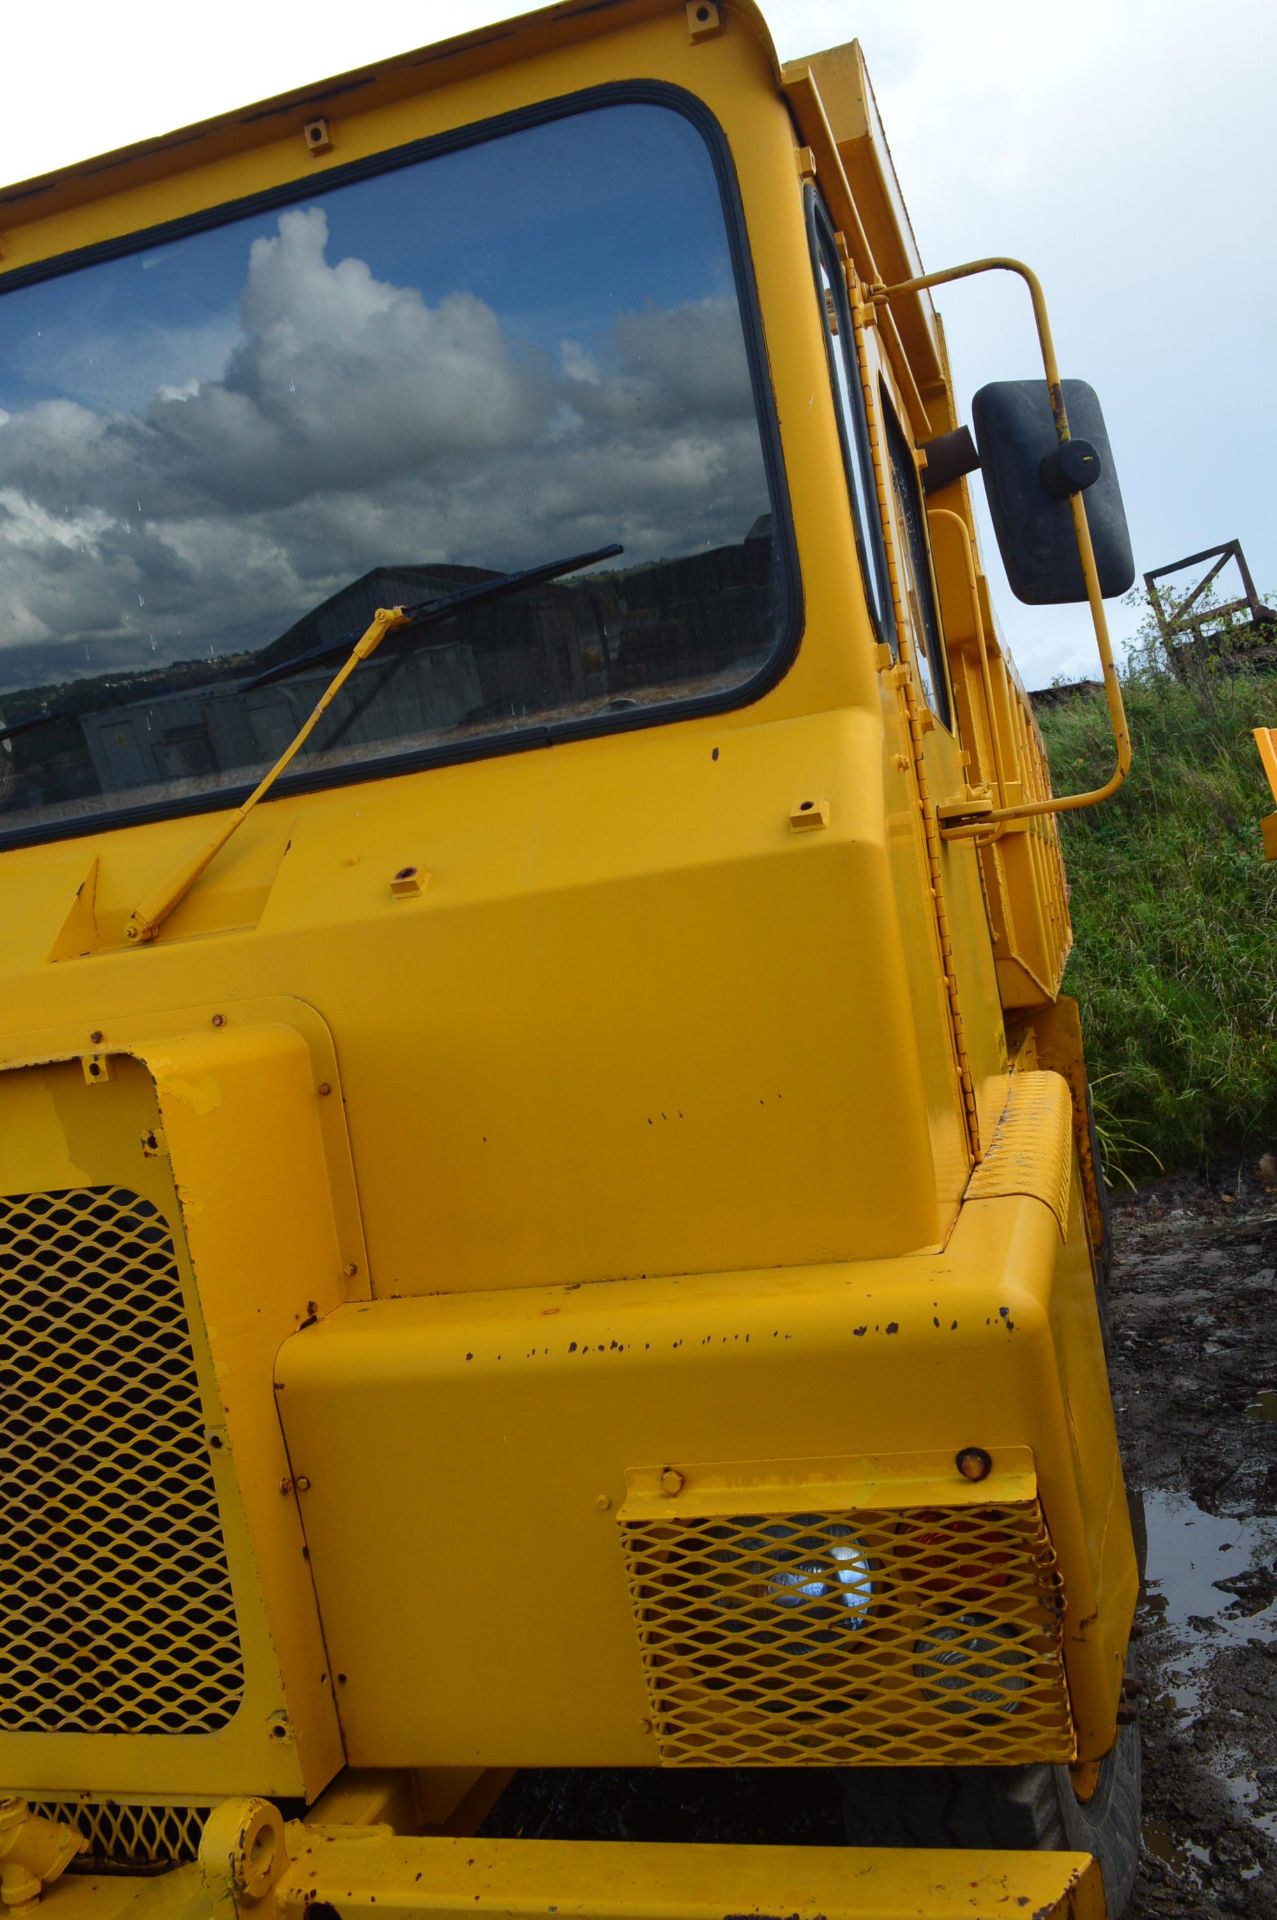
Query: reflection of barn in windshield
[558,651]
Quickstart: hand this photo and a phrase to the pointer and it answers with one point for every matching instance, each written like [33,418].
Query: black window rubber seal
[475,133]
[915,530]
[873,563]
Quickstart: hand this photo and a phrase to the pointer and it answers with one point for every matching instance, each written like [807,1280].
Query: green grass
[1173,916]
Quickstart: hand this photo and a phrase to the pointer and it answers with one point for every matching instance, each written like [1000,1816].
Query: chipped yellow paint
[651,1140]
[201,1096]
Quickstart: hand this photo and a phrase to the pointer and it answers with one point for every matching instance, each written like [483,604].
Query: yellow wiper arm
[146,919]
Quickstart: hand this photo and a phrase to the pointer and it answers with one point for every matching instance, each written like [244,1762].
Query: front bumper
[253,1867]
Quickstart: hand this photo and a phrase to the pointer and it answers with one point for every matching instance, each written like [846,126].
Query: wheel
[1103,1286]
[1033,1808]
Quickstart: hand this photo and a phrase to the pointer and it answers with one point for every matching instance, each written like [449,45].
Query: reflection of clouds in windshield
[346,422]
[125,369]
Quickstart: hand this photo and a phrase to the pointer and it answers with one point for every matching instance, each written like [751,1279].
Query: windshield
[225,450]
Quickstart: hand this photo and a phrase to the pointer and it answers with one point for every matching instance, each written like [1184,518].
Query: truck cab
[547,1210]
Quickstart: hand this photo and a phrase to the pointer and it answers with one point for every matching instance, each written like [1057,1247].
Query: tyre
[1103,1285]
[1104,1252]
[1029,1808]
[1139,1531]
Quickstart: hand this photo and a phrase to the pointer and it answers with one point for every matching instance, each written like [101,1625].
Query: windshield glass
[227,449]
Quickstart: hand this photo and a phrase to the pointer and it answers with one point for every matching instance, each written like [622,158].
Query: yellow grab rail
[1062,803]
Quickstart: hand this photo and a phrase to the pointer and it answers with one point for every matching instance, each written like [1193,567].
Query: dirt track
[1195,1374]
[1194,1334]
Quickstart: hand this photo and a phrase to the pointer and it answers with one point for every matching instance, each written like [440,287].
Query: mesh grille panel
[836,1639]
[130,1834]
[118,1609]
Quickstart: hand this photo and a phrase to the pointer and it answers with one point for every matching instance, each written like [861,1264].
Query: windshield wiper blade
[150,914]
[429,613]
[16,727]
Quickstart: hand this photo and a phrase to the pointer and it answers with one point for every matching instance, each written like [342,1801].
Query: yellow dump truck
[548,1213]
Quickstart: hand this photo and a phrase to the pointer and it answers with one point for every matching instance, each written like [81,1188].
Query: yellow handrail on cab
[1061,803]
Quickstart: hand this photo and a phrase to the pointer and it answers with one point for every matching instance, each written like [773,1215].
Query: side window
[844,374]
[914,560]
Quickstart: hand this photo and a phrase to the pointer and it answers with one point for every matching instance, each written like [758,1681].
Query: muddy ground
[1194,1325]
[1193,1309]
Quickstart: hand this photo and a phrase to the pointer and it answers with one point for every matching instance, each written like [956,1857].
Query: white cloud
[1123,151]
[353,424]
[124,367]
[1122,148]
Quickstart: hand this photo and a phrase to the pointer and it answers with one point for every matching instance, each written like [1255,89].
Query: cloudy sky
[518,351]
[1122,146]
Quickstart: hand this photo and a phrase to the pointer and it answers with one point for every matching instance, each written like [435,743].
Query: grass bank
[1173,914]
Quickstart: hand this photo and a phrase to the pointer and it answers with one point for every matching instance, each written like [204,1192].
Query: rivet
[219,1019]
[603,1502]
[350,1269]
[95,1039]
[671,1480]
[323,1089]
[645,1726]
[974,1463]
[302,1483]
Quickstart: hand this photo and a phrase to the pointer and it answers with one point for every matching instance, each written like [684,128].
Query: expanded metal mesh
[118,1613]
[130,1835]
[926,1635]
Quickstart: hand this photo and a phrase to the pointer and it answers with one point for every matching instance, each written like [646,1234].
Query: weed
[1172,904]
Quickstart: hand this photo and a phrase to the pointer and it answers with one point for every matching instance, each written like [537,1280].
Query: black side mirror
[1029,478]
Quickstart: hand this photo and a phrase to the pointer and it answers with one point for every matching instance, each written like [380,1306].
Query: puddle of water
[1246,1795]
[1264,1406]
[1181,1854]
[1188,1551]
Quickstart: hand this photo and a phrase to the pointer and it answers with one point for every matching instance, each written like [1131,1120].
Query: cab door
[971,980]
[923,942]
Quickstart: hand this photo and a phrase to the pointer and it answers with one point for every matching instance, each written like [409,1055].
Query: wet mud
[1193,1309]
[1193,1328]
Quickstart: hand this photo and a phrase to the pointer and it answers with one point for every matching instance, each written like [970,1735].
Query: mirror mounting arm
[1063,803]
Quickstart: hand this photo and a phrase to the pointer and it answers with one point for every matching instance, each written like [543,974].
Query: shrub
[1172,904]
